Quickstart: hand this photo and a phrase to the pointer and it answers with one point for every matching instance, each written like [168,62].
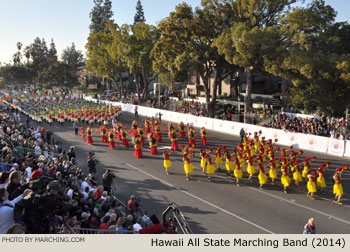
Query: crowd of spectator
[320,126]
[42,191]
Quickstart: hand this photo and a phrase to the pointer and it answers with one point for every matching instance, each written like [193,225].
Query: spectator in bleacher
[4,179]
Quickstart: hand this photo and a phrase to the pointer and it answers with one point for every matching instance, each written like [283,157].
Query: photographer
[7,209]
[92,164]
[107,180]
[71,154]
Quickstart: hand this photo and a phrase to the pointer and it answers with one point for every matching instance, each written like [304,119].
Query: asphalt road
[216,207]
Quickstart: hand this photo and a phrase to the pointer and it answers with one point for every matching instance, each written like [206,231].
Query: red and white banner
[336,147]
[313,143]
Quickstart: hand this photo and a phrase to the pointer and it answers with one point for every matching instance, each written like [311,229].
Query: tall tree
[17,56]
[138,42]
[38,52]
[52,55]
[139,15]
[311,54]
[107,12]
[100,14]
[252,37]
[73,59]
[187,41]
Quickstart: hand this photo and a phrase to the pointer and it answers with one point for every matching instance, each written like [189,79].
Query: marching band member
[103,130]
[218,158]
[338,188]
[153,145]
[138,148]
[82,132]
[210,168]
[182,131]
[311,186]
[111,139]
[158,132]
[228,163]
[167,162]
[250,169]
[306,170]
[262,176]
[237,172]
[188,166]
[125,142]
[174,146]
[142,138]
[321,183]
[119,131]
[204,136]
[191,137]
[203,160]
[296,174]
[272,171]
[285,179]
[89,135]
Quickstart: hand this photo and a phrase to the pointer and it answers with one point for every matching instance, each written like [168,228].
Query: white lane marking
[71,135]
[302,206]
[204,201]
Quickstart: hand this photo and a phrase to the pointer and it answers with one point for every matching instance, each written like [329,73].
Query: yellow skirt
[277,165]
[167,163]
[242,164]
[262,178]
[252,152]
[218,160]
[238,173]
[305,172]
[251,169]
[338,189]
[203,163]
[285,180]
[273,174]
[297,177]
[292,168]
[229,165]
[210,169]
[256,145]
[311,186]
[188,168]
[321,183]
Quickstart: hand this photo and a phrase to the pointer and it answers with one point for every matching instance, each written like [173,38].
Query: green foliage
[139,15]
[100,14]
[187,42]
[52,54]
[313,55]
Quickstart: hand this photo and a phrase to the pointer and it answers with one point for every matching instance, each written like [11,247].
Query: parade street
[218,206]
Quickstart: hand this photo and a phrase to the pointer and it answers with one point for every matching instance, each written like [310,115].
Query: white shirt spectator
[70,193]
[85,184]
[137,227]
[28,172]
[37,134]
[37,150]
[6,214]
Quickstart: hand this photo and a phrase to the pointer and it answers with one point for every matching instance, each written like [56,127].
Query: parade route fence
[315,143]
